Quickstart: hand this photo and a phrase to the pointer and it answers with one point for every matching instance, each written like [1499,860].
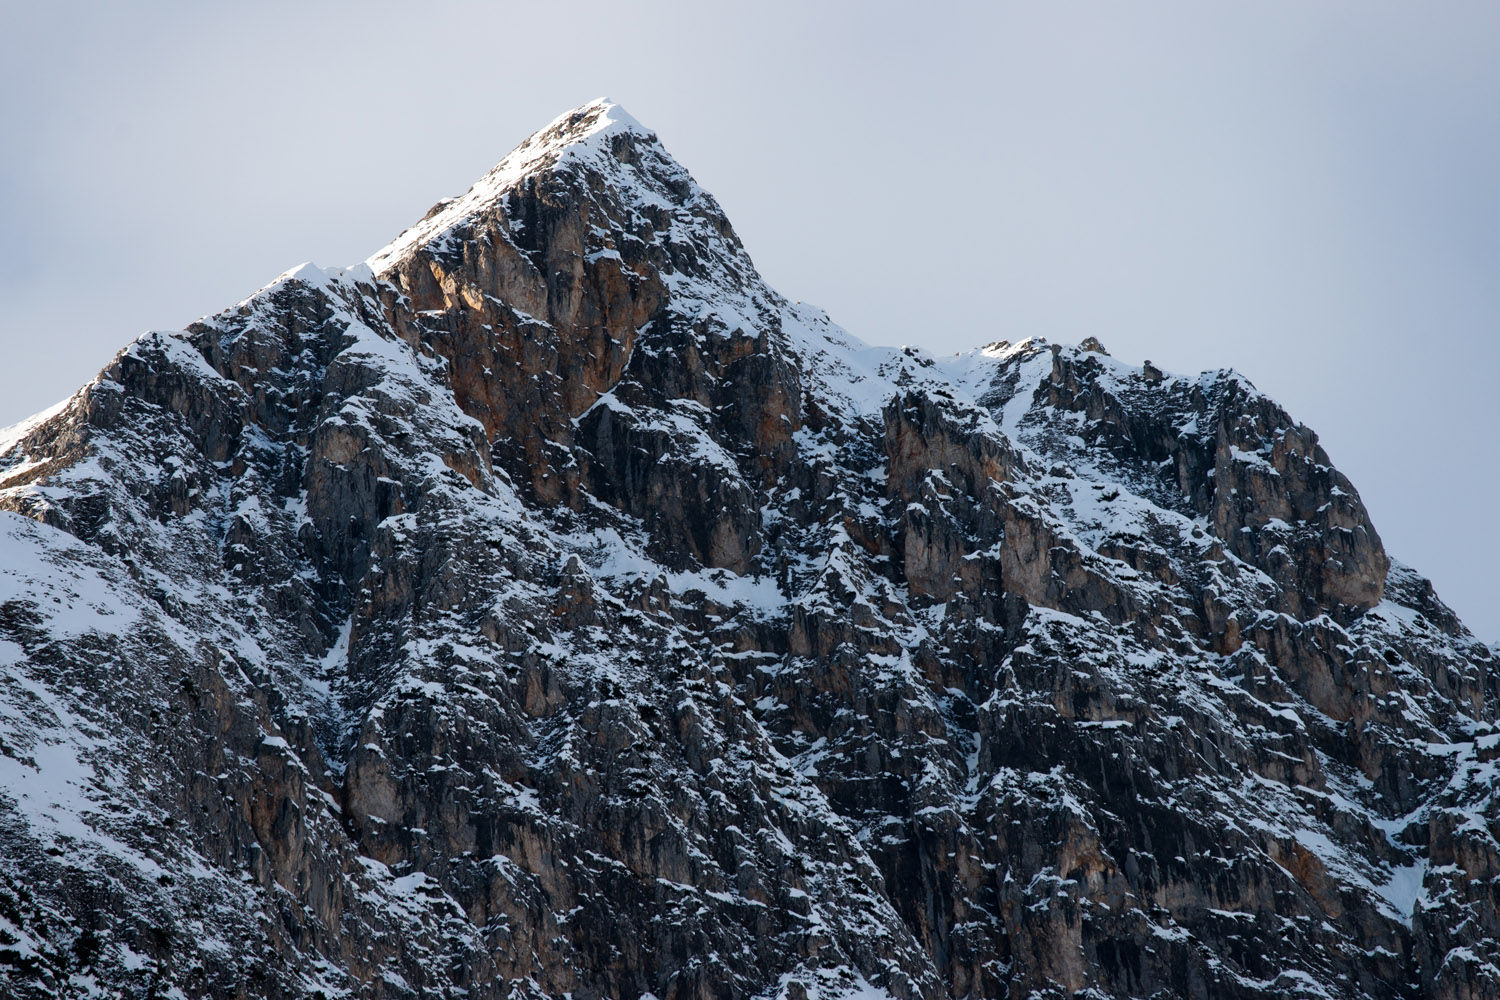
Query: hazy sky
[1307,192]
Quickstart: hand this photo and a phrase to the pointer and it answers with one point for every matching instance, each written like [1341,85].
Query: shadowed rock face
[549,607]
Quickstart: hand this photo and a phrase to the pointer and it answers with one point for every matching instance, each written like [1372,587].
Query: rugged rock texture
[549,607]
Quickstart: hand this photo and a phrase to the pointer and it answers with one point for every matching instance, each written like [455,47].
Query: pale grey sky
[1305,192]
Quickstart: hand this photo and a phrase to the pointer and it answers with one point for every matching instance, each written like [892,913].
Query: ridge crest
[576,133]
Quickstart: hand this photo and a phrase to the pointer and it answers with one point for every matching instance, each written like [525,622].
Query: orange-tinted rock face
[535,326]
[540,299]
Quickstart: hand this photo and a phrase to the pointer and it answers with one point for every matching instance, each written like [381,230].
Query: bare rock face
[548,607]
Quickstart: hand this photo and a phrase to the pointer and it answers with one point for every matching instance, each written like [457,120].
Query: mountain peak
[566,598]
[579,133]
[600,115]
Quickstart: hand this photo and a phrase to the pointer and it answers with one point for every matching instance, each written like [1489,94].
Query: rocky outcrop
[548,607]
[1234,456]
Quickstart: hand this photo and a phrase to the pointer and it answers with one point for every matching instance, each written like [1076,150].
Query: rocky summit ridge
[548,607]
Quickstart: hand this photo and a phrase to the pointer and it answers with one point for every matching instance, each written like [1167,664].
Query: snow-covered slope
[547,606]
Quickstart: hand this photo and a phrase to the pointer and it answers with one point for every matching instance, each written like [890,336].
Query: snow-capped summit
[584,133]
[551,608]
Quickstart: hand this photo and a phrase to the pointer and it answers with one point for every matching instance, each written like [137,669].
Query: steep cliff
[547,606]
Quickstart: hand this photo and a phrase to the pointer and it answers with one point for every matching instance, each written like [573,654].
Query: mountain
[547,607]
